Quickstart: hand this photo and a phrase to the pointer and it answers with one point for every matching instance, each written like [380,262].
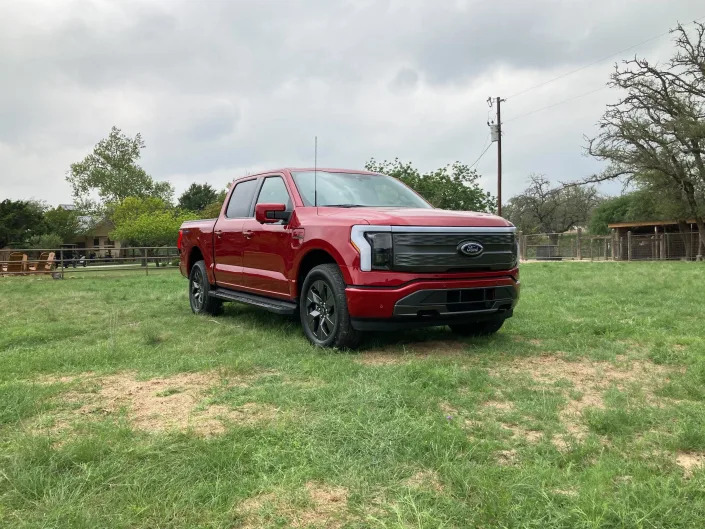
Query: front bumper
[432,302]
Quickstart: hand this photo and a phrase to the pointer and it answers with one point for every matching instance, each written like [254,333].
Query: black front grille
[456,301]
[438,252]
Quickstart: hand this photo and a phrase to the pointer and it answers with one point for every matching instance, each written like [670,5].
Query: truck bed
[204,225]
[199,234]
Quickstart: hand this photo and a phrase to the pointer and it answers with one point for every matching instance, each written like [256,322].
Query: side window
[274,192]
[241,199]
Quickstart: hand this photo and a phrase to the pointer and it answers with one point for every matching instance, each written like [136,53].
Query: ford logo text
[470,248]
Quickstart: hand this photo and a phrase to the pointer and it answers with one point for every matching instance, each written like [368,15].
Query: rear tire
[323,309]
[477,328]
[199,292]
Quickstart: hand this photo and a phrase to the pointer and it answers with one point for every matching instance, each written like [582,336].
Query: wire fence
[57,261]
[542,247]
[625,246]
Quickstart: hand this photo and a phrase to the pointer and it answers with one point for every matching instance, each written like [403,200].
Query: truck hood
[414,217]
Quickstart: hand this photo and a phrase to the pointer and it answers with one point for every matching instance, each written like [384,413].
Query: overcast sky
[220,88]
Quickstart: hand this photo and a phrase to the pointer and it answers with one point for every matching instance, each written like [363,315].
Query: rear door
[228,239]
[268,252]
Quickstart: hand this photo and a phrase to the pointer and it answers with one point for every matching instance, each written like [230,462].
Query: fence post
[146,263]
[605,254]
[579,251]
[629,245]
[61,254]
[614,245]
[662,243]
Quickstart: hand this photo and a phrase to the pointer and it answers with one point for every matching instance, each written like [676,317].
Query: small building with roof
[659,239]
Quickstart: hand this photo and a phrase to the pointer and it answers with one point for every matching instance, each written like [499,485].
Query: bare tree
[541,208]
[654,136]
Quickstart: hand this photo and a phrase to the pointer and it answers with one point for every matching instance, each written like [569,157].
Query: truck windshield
[355,190]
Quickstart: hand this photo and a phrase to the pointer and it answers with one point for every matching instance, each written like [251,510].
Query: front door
[268,252]
[228,239]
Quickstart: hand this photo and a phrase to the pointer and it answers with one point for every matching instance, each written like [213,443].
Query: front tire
[199,292]
[323,309]
[478,328]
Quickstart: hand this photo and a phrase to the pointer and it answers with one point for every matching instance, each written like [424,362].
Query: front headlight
[382,249]
[375,246]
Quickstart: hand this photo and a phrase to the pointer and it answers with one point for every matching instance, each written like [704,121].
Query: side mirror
[271,213]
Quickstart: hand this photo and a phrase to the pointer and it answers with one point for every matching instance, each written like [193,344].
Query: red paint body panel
[265,259]
[378,303]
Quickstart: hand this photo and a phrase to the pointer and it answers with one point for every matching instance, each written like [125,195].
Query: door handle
[248,234]
[219,233]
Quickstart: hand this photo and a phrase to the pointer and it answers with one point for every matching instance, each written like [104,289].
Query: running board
[273,305]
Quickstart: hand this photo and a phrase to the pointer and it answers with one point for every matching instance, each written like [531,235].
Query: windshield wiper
[345,206]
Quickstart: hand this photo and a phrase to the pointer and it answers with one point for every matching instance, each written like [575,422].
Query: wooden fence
[630,247]
[57,261]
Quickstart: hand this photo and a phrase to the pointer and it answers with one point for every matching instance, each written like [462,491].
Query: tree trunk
[701,232]
[684,230]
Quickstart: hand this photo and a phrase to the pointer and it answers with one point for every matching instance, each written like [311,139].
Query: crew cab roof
[297,169]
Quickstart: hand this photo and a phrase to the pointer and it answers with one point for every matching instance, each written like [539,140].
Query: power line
[481,154]
[556,104]
[571,72]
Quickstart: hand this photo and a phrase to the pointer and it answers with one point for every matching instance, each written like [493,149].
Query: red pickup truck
[351,251]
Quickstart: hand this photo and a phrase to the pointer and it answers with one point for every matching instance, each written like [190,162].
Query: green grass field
[121,409]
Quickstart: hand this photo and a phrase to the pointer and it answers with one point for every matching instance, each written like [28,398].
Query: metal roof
[640,224]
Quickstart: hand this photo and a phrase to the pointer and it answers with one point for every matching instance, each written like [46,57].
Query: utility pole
[496,131]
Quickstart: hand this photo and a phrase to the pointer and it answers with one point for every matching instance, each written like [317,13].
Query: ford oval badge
[471,248]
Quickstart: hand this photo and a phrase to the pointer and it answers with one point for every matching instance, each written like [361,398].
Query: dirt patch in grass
[588,381]
[507,457]
[498,405]
[326,507]
[405,353]
[571,493]
[519,432]
[172,403]
[425,479]
[690,462]
[522,339]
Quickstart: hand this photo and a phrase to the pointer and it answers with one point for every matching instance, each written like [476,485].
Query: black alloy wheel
[196,290]
[322,315]
[199,292]
[323,309]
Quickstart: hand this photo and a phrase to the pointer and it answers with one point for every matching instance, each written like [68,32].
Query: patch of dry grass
[177,402]
[324,507]
[401,354]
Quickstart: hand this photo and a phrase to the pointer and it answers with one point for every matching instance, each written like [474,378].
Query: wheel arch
[194,256]
[311,259]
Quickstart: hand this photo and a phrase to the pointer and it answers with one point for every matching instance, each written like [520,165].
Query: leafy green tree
[112,172]
[197,197]
[158,229]
[64,223]
[147,221]
[635,206]
[452,187]
[212,210]
[133,207]
[541,208]
[47,241]
[20,220]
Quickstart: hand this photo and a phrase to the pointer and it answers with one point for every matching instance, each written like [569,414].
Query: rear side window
[241,199]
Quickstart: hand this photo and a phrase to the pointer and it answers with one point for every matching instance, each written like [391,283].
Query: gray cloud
[222,87]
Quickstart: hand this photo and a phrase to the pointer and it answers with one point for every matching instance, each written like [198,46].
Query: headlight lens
[382,250]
